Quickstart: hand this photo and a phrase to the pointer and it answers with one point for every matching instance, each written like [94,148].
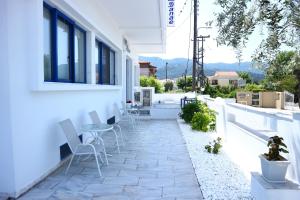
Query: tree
[281,66]
[151,82]
[279,74]
[168,86]
[246,76]
[237,20]
[181,84]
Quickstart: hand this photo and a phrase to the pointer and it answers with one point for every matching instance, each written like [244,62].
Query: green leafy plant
[215,146]
[201,121]
[187,112]
[168,86]
[275,145]
[205,120]
[151,82]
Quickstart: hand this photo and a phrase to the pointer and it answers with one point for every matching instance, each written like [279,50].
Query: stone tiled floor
[154,164]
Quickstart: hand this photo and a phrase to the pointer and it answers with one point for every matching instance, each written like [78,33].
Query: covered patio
[153,164]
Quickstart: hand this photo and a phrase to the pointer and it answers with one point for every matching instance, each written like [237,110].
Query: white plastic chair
[96,120]
[134,114]
[122,117]
[77,147]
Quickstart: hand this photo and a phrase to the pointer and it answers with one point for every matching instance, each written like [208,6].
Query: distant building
[229,78]
[268,99]
[146,69]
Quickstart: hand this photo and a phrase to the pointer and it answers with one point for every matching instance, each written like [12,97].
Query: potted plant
[273,165]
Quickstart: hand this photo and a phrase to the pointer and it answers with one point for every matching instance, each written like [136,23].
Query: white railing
[246,130]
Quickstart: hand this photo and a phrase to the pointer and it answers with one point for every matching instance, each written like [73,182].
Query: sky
[178,39]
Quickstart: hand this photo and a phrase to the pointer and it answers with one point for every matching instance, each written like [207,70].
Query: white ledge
[51,86]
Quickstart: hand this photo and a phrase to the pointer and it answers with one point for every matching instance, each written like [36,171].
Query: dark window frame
[56,15]
[100,63]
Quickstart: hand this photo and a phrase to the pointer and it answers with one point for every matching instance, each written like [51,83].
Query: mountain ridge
[177,66]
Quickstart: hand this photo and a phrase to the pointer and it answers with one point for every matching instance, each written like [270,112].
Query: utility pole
[195,45]
[166,71]
[201,70]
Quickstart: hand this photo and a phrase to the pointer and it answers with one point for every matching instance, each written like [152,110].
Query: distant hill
[176,67]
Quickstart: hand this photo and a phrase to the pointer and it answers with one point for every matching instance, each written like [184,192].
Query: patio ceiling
[142,22]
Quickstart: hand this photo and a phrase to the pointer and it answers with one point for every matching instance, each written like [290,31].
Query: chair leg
[116,136]
[121,133]
[96,158]
[70,163]
[104,150]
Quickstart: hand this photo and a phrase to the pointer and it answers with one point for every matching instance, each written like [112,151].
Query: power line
[189,46]
[183,7]
[177,28]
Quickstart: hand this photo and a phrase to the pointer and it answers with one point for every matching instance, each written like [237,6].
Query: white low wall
[169,97]
[246,130]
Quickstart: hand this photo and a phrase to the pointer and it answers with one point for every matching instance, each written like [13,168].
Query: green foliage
[217,91]
[181,83]
[281,66]
[214,147]
[187,112]
[275,145]
[253,87]
[246,76]
[151,82]
[199,115]
[289,83]
[204,120]
[237,20]
[168,86]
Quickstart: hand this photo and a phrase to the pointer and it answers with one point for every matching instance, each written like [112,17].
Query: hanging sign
[171,11]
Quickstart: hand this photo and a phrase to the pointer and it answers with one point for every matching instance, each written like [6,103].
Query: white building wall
[7,177]
[30,108]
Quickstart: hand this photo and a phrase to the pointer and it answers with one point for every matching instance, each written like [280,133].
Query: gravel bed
[218,176]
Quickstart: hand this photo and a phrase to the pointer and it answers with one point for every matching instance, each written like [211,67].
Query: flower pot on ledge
[274,171]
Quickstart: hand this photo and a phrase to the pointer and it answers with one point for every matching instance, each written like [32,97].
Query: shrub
[200,121]
[151,82]
[204,120]
[183,83]
[169,86]
[187,112]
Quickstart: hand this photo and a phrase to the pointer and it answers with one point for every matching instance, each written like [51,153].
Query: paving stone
[140,192]
[182,191]
[128,180]
[103,189]
[139,173]
[169,181]
[36,193]
[153,165]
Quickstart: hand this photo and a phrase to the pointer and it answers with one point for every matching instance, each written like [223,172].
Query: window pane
[97,62]
[79,56]
[105,74]
[112,67]
[47,46]
[63,65]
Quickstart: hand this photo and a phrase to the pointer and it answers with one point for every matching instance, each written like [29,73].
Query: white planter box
[273,171]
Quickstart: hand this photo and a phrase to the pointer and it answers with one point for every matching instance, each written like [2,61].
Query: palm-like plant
[276,146]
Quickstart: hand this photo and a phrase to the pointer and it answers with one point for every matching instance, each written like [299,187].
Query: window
[79,55]
[214,82]
[105,64]
[64,48]
[63,54]
[47,46]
